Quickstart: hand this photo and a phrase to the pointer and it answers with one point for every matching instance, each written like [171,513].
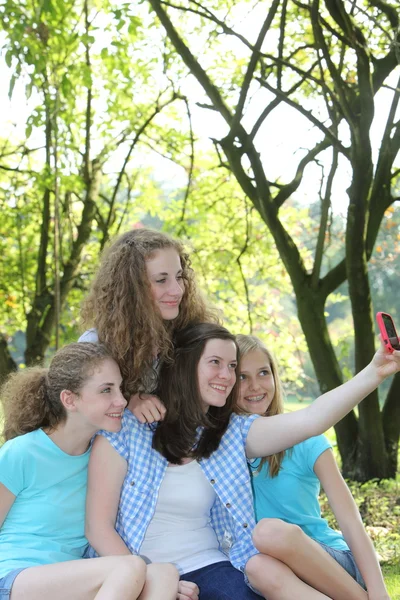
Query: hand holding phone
[388,331]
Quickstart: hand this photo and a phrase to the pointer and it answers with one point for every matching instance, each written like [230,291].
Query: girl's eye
[214,361]
[106,390]
[161,280]
[265,373]
[233,366]
[179,277]
[242,377]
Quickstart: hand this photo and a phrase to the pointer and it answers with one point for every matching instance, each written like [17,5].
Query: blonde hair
[247,344]
[121,307]
[31,398]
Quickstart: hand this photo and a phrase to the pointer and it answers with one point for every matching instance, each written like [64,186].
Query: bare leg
[161,582]
[275,581]
[289,544]
[110,578]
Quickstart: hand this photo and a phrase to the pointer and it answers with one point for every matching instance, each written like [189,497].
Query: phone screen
[391,332]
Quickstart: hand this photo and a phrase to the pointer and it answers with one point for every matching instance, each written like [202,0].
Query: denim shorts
[346,560]
[6,583]
[221,581]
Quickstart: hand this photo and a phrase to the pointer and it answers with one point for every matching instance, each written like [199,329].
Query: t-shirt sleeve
[89,336]
[12,466]
[313,448]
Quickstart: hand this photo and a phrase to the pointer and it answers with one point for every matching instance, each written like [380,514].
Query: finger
[143,407]
[159,405]
[152,413]
[141,414]
[188,586]
[189,589]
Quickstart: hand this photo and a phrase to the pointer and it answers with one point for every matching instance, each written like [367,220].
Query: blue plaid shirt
[232,515]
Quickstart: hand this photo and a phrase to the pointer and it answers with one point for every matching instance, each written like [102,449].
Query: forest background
[265,134]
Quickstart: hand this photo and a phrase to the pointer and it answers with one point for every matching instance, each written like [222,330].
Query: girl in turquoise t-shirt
[50,416]
[286,486]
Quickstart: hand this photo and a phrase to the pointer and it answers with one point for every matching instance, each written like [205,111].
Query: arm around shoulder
[107,470]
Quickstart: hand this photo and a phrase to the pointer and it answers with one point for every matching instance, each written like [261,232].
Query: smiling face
[216,372]
[257,384]
[164,271]
[100,402]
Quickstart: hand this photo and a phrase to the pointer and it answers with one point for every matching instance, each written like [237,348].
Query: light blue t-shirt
[90,335]
[293,494]
[47,519]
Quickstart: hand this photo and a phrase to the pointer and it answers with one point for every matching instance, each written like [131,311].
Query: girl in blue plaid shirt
[181,491]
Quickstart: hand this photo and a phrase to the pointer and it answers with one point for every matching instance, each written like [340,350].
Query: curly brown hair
[121,307]
[31,398]
[176,436]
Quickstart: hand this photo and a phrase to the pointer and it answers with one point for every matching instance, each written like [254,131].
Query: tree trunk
[7,363]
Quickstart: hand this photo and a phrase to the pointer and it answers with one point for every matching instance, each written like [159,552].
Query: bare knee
[166,572]
[131,568]
[265,574]
[276,538]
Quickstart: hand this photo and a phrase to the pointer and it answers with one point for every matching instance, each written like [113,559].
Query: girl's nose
[175,289]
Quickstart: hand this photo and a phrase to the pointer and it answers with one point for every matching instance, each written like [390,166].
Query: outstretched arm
[351,525]
[107,470]
[268,435]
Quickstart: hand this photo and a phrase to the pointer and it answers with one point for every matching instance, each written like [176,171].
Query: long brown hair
[31,398]
[247,344]
[176,436]
[121,308]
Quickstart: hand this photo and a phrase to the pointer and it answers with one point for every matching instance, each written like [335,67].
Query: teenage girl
[286,487]
[181,492]
[143,292]
[50,417]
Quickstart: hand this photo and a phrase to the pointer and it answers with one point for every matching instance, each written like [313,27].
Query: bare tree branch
[308,114]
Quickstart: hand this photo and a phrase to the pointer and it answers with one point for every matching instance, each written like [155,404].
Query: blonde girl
[286,486]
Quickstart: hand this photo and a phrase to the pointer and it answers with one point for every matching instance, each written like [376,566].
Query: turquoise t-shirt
[293,494]
[47,519]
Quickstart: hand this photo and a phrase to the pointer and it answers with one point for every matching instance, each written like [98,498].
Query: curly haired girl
[143,292]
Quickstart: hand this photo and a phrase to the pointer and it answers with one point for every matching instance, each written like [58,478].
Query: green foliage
[391,573]
[379,506]
[108,95]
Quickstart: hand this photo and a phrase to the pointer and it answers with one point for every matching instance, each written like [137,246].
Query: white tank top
[180,530]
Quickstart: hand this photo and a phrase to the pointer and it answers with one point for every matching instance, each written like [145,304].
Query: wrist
[372,376]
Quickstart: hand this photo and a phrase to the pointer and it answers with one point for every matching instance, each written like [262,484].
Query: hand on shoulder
[147,408]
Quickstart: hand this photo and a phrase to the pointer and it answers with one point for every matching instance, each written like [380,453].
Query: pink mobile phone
[388,331]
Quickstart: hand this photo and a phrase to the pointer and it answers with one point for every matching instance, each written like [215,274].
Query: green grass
[391,573]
